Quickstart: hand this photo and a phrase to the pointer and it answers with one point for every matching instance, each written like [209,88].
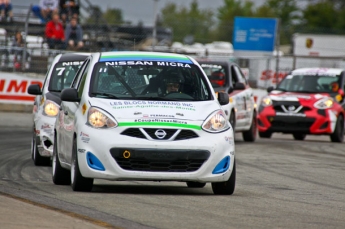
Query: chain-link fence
[35,56]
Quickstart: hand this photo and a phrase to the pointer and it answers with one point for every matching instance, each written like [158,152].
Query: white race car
[47,102]
[143,116]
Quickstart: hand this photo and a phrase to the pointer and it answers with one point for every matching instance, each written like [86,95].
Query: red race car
[307,101]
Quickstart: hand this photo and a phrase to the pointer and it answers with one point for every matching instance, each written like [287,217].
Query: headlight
[266,101]
[50,108]
[216,122]
[324,103]
[100,119]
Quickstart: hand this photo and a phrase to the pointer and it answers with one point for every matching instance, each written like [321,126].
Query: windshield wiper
[105,94]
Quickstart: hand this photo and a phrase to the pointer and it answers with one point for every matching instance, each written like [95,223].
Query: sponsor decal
[81,150]
[290,114]
[71,63]
[84,137]
[309,43]
[42,101]
[117,57]
[161,116]
[147,63]
[45,126]
[161,120]
[167,124]
[83,108]
[152,104]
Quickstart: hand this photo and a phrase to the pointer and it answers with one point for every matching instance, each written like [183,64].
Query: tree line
[204,25]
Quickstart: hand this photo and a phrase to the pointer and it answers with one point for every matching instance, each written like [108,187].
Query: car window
[81,83]
[79,74]
[62,76]
[216,74]
[310,83]
[152,80]
[240,75]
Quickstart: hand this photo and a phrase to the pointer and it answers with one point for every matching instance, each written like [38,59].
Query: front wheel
[250,135]
[226,187]
[232,120]
[298,136]
[78,182]
[265,134]
[338,134]
[35,155]
[60,175]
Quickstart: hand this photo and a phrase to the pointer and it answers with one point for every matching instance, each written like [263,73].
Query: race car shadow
[178,189]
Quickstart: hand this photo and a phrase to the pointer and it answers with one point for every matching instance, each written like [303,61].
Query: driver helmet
[173,81]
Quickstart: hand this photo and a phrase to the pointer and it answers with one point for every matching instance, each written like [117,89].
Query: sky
[141,10]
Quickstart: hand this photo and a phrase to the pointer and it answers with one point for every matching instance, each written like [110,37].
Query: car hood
[294,96]
[156,111]
[54,96]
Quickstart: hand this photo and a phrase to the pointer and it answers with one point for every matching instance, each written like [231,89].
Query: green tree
[322,17]
[227,14]
[113,16]
[188,22]
[286,11]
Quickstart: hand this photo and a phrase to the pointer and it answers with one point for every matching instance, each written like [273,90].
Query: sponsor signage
[254,35]
[13,89]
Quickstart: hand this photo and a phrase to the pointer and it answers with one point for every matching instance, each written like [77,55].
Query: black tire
[232,120]
[250,135]
[226,187]
[192,184]
[78,182]
[265,134]
[338,134]
[60,175]
[35,155]
[298,136]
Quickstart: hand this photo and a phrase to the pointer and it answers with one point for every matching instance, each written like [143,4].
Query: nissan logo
[160,133]
[291,108]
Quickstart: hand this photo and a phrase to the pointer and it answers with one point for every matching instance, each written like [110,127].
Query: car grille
[289,107]
[159,160]
[150,134]
[291,124]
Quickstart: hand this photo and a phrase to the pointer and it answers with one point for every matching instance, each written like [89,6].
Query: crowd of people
[61,19]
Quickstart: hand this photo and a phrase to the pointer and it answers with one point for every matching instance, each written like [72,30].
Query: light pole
[154,30]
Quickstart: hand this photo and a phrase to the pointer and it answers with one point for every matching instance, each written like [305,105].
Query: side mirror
[70,95]
[231,89]
[239,86]
[34,89]
[270,88]
[223,98]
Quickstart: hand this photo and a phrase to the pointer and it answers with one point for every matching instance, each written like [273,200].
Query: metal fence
[35,57]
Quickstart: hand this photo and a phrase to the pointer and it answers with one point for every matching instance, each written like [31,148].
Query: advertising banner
[13,88]
[254,35]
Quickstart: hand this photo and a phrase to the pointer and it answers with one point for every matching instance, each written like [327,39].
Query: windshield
[310,83]
[215,73]
[63,75]
[150,81]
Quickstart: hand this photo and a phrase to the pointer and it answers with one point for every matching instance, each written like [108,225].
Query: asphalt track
[281,183]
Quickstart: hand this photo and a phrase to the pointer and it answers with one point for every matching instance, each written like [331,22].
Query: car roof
[73,57]
[144,56]
[317,71]
[214,62]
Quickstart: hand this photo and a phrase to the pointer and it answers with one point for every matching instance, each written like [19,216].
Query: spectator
[55,33]
[45,9]
[68,10]
[6,10]
[74,35]
[18,49]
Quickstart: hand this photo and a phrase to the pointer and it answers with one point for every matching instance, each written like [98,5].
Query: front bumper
[312,122]
[44,127]
[130,158]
